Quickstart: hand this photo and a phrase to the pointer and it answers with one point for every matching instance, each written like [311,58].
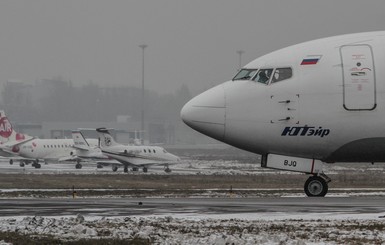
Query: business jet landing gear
[135,169]
[316,186]
[145,170]
[11,161]
[115,168]
[78,165]
[22,164]
[125,169]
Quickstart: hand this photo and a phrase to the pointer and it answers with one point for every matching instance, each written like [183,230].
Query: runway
[112,207]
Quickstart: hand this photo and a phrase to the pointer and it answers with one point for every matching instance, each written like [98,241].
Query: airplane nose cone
[206,112]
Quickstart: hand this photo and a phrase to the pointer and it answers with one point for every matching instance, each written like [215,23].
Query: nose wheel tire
[316,186]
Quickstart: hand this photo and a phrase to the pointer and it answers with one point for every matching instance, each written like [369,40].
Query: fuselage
[48,149]
[45,148]
[140,155]
[330,106]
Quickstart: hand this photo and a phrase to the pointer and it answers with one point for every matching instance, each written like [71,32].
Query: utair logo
[305,131]
[5,127]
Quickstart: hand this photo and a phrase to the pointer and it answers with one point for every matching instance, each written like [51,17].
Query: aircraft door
[359,80]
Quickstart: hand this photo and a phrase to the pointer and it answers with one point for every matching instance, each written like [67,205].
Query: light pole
[143,46]
[240,52]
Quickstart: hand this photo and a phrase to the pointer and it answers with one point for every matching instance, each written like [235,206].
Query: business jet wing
[141,161]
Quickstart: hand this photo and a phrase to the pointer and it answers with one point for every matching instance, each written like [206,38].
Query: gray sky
[191,42]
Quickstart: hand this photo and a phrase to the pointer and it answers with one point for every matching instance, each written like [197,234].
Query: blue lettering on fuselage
[305,131]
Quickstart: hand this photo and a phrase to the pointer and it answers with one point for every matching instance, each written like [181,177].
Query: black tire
[37,165]
[22,164]
[78,166]
[125,169]
[167,170]
[135,169]
[316,187]
[114,168]
[145,170]
[11,161]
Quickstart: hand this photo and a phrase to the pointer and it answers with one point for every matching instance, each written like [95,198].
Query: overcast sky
[191,42]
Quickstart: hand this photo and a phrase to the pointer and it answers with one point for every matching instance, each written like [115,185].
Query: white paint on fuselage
[251,117]
[140,155]
[46,148]
[49,149]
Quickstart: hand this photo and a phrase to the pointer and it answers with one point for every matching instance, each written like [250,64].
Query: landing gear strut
[316,186]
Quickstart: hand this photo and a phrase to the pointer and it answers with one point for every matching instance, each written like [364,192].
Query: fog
[93,45]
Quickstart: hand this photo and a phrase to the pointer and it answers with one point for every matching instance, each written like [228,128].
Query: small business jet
[316,102]
[90,152]
[134,155]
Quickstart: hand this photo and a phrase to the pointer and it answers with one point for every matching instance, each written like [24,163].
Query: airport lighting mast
[240,52]
[143,46]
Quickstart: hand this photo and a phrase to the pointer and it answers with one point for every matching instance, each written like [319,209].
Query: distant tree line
[58,100]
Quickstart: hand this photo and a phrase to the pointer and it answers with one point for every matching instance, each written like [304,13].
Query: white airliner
[134,155]
[299,107]
[28,149]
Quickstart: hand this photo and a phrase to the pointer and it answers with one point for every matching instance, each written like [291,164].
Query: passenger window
[263,76]
[245,74]
[282,74]
[144,150]
[154,151]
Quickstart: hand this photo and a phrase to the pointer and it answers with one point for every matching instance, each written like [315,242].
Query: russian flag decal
[311,60]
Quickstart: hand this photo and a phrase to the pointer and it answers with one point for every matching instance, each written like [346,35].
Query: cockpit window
[282,74]
[263,76]
[245,74]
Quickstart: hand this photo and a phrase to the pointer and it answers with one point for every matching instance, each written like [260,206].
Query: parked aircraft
[31,150]
[134,155]
[299,107]
[85,151]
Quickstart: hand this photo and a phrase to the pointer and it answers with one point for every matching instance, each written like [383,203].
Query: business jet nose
[206,112]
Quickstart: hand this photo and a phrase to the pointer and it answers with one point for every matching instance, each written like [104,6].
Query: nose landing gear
[315,186]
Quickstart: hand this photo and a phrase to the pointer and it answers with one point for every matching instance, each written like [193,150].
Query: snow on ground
[220,229]
[193,228]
